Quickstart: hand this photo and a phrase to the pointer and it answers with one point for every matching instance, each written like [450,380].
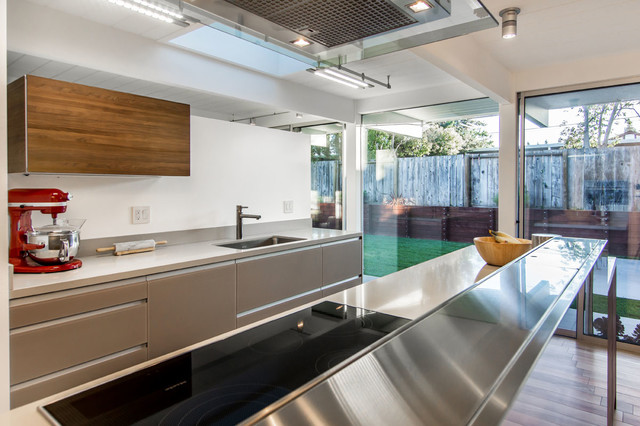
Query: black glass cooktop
[230,380]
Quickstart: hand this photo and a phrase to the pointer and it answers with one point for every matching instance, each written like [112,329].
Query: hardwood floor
[568,387]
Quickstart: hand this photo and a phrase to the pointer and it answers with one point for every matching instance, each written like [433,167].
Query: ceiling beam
[466,60]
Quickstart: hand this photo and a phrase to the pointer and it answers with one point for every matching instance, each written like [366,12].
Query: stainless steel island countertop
[467,341]
[459,364]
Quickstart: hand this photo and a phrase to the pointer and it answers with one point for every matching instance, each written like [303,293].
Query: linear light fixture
[153,10]
[341,75]
[321,73]
[347,78]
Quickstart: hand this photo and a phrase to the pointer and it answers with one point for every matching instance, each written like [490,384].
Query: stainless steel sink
[262,242]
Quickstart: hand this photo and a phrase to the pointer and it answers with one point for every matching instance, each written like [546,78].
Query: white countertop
[408,293]
[107,267]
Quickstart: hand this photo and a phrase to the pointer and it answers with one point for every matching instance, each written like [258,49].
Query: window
[326,175]
[430,184]
[581,163]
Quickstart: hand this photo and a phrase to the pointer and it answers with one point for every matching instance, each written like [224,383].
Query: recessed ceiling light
[301,42]
[419,6]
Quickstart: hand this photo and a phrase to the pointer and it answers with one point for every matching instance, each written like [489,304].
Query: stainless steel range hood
[340,31]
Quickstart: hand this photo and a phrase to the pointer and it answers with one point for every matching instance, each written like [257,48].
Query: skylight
[249,53]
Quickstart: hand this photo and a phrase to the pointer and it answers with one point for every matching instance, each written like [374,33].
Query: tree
[331,151]
[597,124]
[443,138]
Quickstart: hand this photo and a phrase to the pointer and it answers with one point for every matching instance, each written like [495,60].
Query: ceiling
[549,32]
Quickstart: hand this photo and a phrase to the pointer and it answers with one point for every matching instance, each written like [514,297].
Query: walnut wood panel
[16,131]
[73,128]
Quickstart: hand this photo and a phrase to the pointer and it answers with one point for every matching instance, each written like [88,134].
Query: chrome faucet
[240,216]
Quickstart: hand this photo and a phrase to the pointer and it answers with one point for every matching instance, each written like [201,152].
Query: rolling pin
[130,247]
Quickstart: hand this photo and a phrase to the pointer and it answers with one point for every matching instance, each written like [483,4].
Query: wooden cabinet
[62,339]
[60,127]
[188,306]
[267,284]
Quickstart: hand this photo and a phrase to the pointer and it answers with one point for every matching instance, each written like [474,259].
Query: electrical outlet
[140,214]
[287,206]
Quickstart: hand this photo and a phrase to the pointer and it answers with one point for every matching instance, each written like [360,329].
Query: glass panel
[343,32]
[430,183]
[326,175]
[582,179]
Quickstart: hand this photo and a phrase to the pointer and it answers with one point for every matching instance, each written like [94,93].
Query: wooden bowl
[499,254]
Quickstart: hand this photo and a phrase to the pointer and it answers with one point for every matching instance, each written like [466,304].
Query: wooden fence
[576,179]
[455,180]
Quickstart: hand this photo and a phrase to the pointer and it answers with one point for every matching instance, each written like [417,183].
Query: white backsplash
[231,164]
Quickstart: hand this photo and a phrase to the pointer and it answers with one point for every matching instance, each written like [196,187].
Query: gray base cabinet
[341,261]
[341,265]
[66,338]
[191,305]
[269,280]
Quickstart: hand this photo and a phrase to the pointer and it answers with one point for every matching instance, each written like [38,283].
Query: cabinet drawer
[48,347]
[36,309]
[274,309]
[340,286]
[341,261]
[189,306]
[272,278]
[66,379]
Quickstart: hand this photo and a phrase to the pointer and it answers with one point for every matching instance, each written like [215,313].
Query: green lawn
[628,308]
[384,255]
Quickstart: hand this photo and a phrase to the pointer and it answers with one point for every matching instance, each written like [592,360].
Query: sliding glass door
[581,174]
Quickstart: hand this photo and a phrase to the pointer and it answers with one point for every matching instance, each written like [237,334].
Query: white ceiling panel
[204,104]
[51,69]
[558,31]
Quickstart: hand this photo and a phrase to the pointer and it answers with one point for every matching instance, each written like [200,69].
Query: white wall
[231,164]
[4,253]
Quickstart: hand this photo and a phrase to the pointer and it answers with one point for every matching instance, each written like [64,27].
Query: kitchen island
[552,272]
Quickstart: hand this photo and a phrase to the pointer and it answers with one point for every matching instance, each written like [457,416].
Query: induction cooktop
[228,381]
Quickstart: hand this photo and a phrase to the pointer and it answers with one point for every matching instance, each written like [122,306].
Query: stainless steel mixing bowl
[60,244]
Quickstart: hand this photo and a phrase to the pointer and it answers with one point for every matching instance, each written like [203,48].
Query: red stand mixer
[51,248]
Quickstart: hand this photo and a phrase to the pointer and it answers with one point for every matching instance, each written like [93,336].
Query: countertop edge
[159,262]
